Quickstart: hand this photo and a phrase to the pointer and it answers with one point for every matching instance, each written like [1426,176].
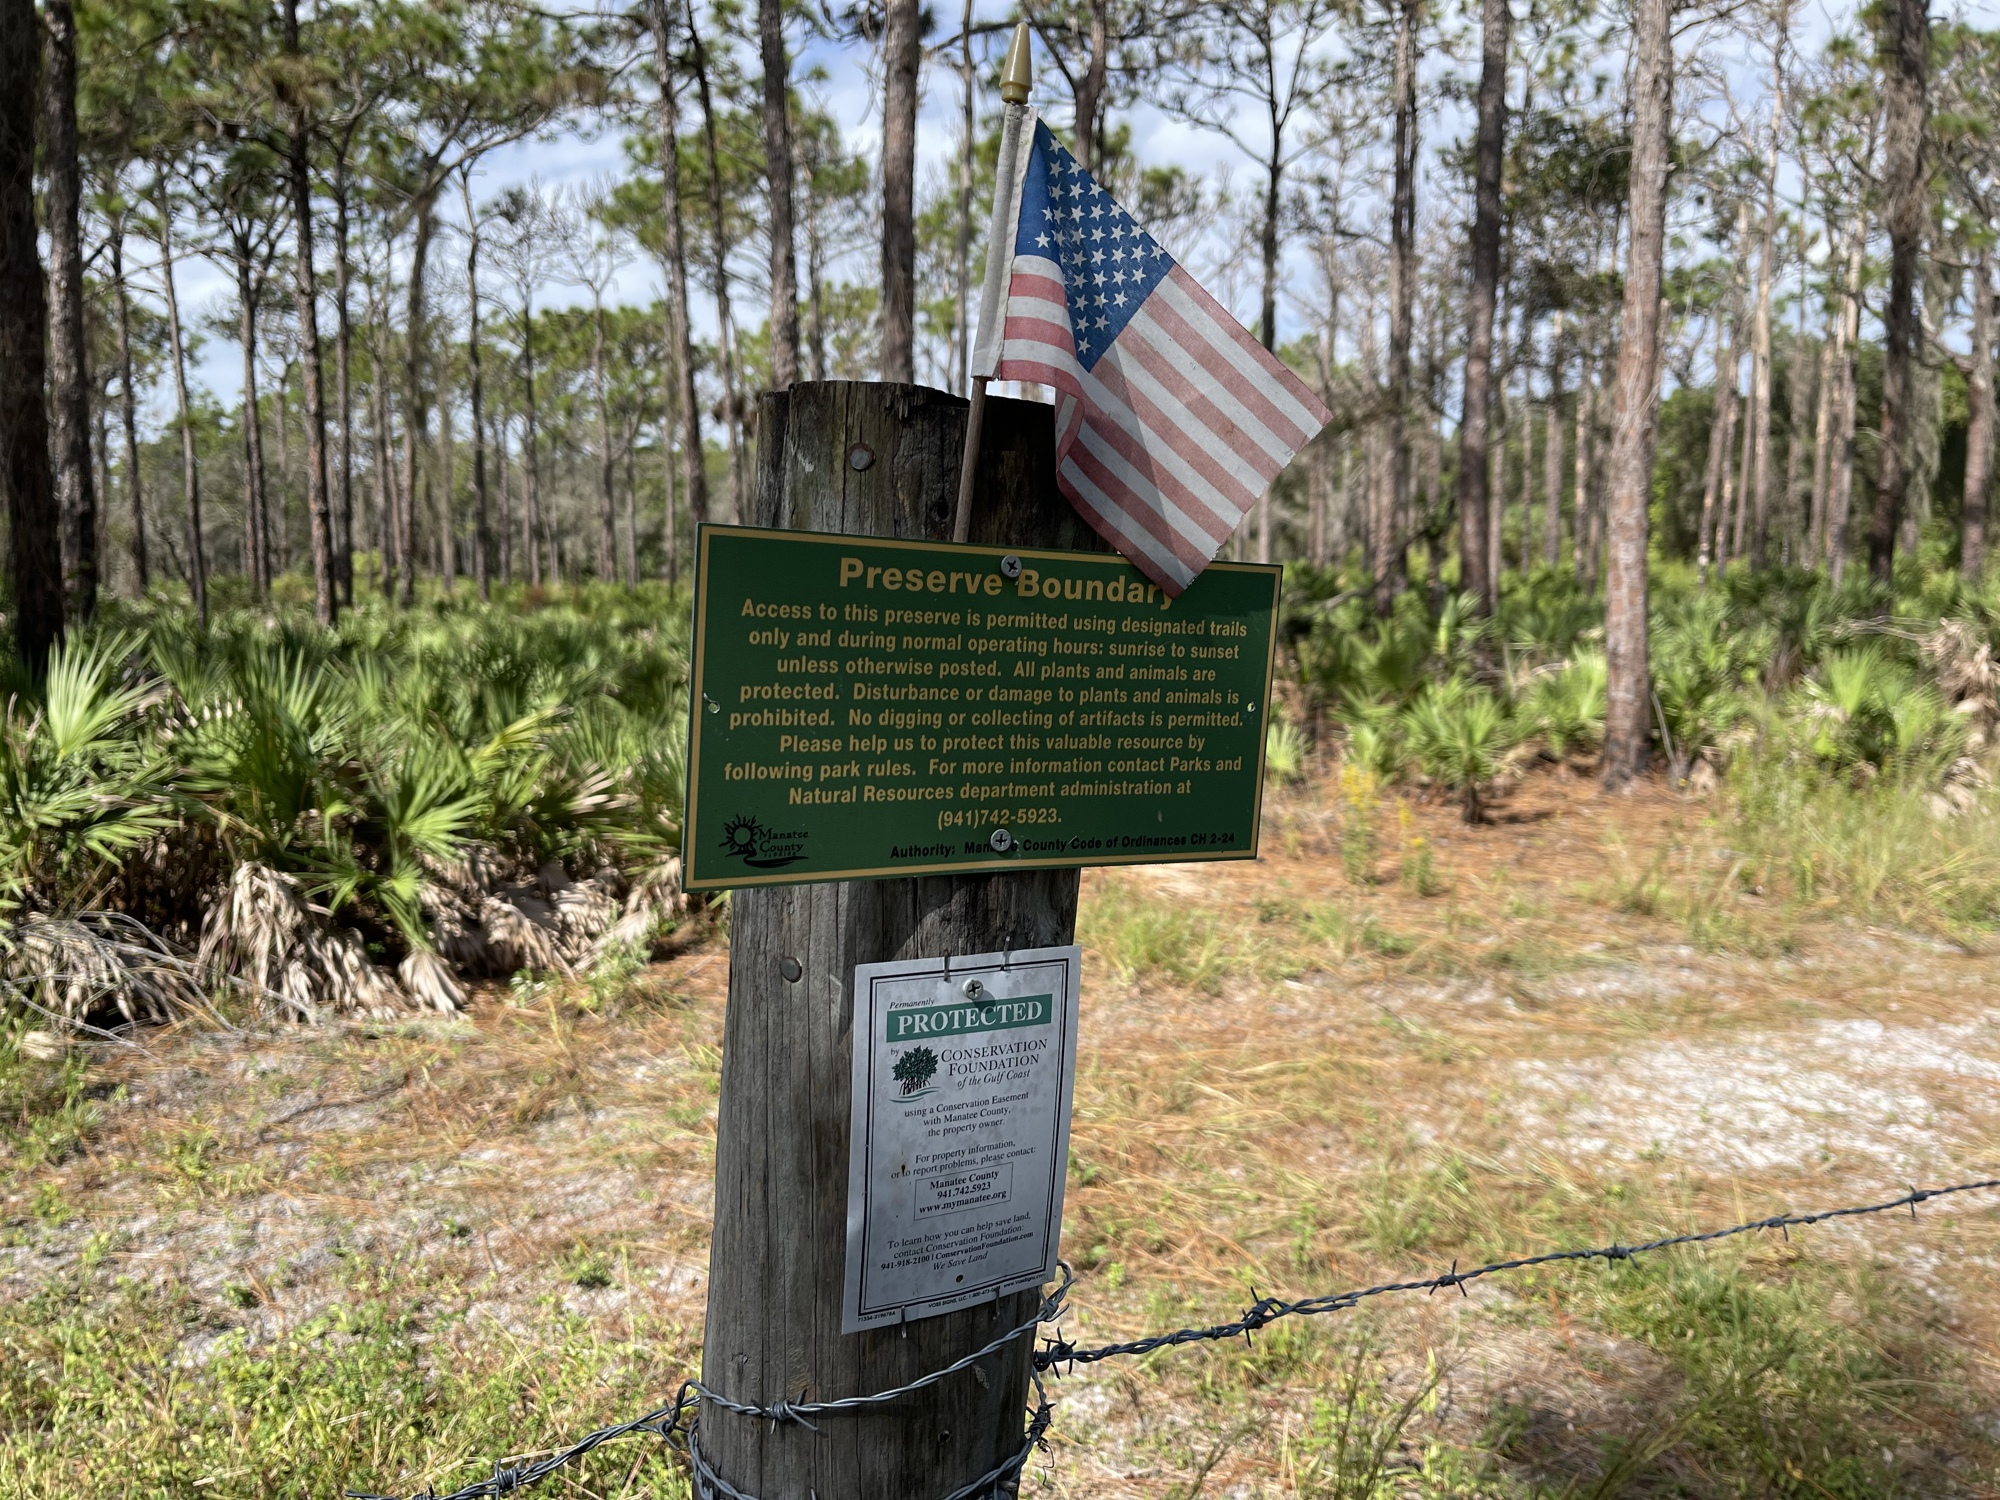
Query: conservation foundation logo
[760,848]
[914,1070]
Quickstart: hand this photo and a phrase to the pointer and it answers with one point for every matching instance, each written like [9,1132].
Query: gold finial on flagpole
[1017,73]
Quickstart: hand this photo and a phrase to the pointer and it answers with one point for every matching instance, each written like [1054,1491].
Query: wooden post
[869,460]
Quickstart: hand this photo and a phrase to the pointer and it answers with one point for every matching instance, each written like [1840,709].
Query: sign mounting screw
[1010,566]
[1001,841]
[973,989]
[860,456]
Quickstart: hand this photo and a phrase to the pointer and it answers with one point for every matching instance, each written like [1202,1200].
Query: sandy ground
[1367,1082]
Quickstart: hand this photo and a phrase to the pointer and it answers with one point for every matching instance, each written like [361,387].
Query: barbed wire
[1267,1310]
[678,1422]
[675,1423]
[1052,1307]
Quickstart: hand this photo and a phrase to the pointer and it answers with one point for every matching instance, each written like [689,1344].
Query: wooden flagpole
[1016,77]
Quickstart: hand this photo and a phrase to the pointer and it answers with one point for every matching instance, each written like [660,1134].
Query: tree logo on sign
[915,1068]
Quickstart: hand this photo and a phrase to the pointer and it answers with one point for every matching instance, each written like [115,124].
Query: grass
[46,1106]
[1883,847]
[382,1392]
[1791,1376]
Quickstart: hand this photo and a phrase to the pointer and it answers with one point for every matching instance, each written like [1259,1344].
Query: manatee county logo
[915,1068]
[754,844]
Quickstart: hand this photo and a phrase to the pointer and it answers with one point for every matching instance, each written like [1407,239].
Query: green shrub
[1285,751]
[1566,707]
[358,762]
[1458,734]
[85,779]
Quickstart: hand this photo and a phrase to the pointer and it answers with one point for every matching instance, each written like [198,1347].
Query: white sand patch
[1763,1101]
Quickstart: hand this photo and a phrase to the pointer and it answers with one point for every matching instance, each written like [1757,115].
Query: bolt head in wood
[1001,841]
[860,456]
[791,968]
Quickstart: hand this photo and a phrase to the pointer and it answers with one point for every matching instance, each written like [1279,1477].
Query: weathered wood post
[874,460]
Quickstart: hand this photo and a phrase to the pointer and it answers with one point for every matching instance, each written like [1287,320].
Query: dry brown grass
[1289,1080]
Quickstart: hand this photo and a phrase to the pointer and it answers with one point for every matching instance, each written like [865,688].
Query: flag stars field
[1171,420]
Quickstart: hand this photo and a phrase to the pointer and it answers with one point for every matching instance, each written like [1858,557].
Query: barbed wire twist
[1267,1310]
[677,1423]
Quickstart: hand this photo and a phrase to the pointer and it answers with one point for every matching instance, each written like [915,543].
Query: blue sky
[575,159]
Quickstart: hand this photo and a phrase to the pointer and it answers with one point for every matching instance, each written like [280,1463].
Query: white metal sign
[963,1072]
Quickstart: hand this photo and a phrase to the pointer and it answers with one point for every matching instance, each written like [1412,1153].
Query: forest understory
[388,1253]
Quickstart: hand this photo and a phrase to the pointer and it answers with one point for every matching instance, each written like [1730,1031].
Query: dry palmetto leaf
[69,969]
[655,896]
[429,979]
[263,930]
[1966,670]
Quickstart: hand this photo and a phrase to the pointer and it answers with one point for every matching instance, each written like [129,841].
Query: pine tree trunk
[1799,390]
[1552,451]
[670,563]
[631,504]
[128,406]
[254,563]
[531,506]
[416,413]
[1823,429]
[69,392]
[725,339]
[901,59]
[343,346]
[779,170]
[1627,719]
[1586,461]
[305,300]
[1718,450]
[387,501]
[1979,426]
[1758,433]
[816,289]
[1496,488]
[1389,571]
[1745,414]
[34,524]
[445,516]
[1322,470]
[272,512]
[505,529]
[680,336]
[1840,483]
[1087,92]
[1474,435]
[190,472]
[607,500]
[1906,40]
[482,534]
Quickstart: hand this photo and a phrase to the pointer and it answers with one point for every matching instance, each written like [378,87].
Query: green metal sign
[864,707]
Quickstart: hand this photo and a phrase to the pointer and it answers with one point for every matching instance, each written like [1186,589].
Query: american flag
[1171,420]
